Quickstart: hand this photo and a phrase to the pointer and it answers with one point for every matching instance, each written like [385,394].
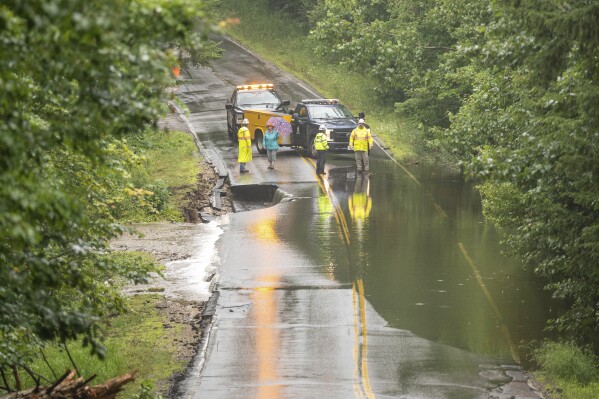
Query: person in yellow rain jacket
[321,145]
[245,146]
[361,142]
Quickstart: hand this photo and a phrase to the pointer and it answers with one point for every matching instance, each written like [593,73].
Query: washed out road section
[352,288]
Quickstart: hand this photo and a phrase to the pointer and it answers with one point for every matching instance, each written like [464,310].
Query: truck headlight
[239,118]
[329,133]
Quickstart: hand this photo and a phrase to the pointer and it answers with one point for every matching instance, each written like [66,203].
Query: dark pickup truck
[309,115]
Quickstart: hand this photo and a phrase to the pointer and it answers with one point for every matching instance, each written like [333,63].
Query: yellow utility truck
[257,127]
[262,96]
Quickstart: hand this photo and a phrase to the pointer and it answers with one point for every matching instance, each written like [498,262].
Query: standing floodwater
[380,286]
[428,261]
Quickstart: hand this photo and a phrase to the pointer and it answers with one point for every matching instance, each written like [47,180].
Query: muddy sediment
[172,244]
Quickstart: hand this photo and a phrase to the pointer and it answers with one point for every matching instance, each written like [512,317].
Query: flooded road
[379,286]
[428,262]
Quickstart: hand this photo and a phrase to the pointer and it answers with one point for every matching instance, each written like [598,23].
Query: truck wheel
[259,143]
[312,148]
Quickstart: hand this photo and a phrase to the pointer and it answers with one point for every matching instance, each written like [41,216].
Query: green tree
[510,88]
[410,47]
[76,76]
[529,131]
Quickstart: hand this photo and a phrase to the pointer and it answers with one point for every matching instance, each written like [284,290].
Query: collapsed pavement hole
[250,197]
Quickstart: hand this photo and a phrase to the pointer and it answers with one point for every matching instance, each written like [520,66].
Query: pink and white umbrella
[280,125]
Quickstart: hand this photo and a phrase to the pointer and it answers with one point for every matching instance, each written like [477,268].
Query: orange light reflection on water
[264,314]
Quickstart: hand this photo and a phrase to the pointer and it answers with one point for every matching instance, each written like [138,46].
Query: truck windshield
[245,98]
[329,111]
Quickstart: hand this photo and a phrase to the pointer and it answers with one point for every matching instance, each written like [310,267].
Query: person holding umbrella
[271,143]
[245,146]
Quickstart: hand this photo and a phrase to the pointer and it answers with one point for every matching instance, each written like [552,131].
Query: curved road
[312,305]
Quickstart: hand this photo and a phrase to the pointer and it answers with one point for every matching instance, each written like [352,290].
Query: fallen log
[68,386]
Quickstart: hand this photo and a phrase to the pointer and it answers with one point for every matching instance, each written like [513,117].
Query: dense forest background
[509,89]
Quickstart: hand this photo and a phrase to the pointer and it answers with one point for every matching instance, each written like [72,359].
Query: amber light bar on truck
[256,87]
[321,101]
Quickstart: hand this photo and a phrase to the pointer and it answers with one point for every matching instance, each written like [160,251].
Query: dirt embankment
[197,199]
[169,242]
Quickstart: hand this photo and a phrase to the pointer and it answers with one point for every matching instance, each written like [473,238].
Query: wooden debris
[70,387]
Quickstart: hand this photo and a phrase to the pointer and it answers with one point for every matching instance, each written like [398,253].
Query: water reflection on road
[428,262]
[367,286]
[264,313]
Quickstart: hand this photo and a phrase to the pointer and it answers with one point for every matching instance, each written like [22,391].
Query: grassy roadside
[147,338]
[171,157]
[136,341]
[566,371]
[169,168]
[155,337]
[279,40]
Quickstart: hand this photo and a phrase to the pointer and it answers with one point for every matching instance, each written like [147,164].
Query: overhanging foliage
[76,76]
[511,88]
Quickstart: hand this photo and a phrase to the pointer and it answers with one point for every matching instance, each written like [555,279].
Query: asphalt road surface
[386,286]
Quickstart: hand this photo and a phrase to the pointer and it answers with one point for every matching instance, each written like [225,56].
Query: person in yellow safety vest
[361,142]
[245,146]
[321,145]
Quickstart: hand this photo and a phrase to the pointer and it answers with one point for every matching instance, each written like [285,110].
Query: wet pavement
[381,286]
